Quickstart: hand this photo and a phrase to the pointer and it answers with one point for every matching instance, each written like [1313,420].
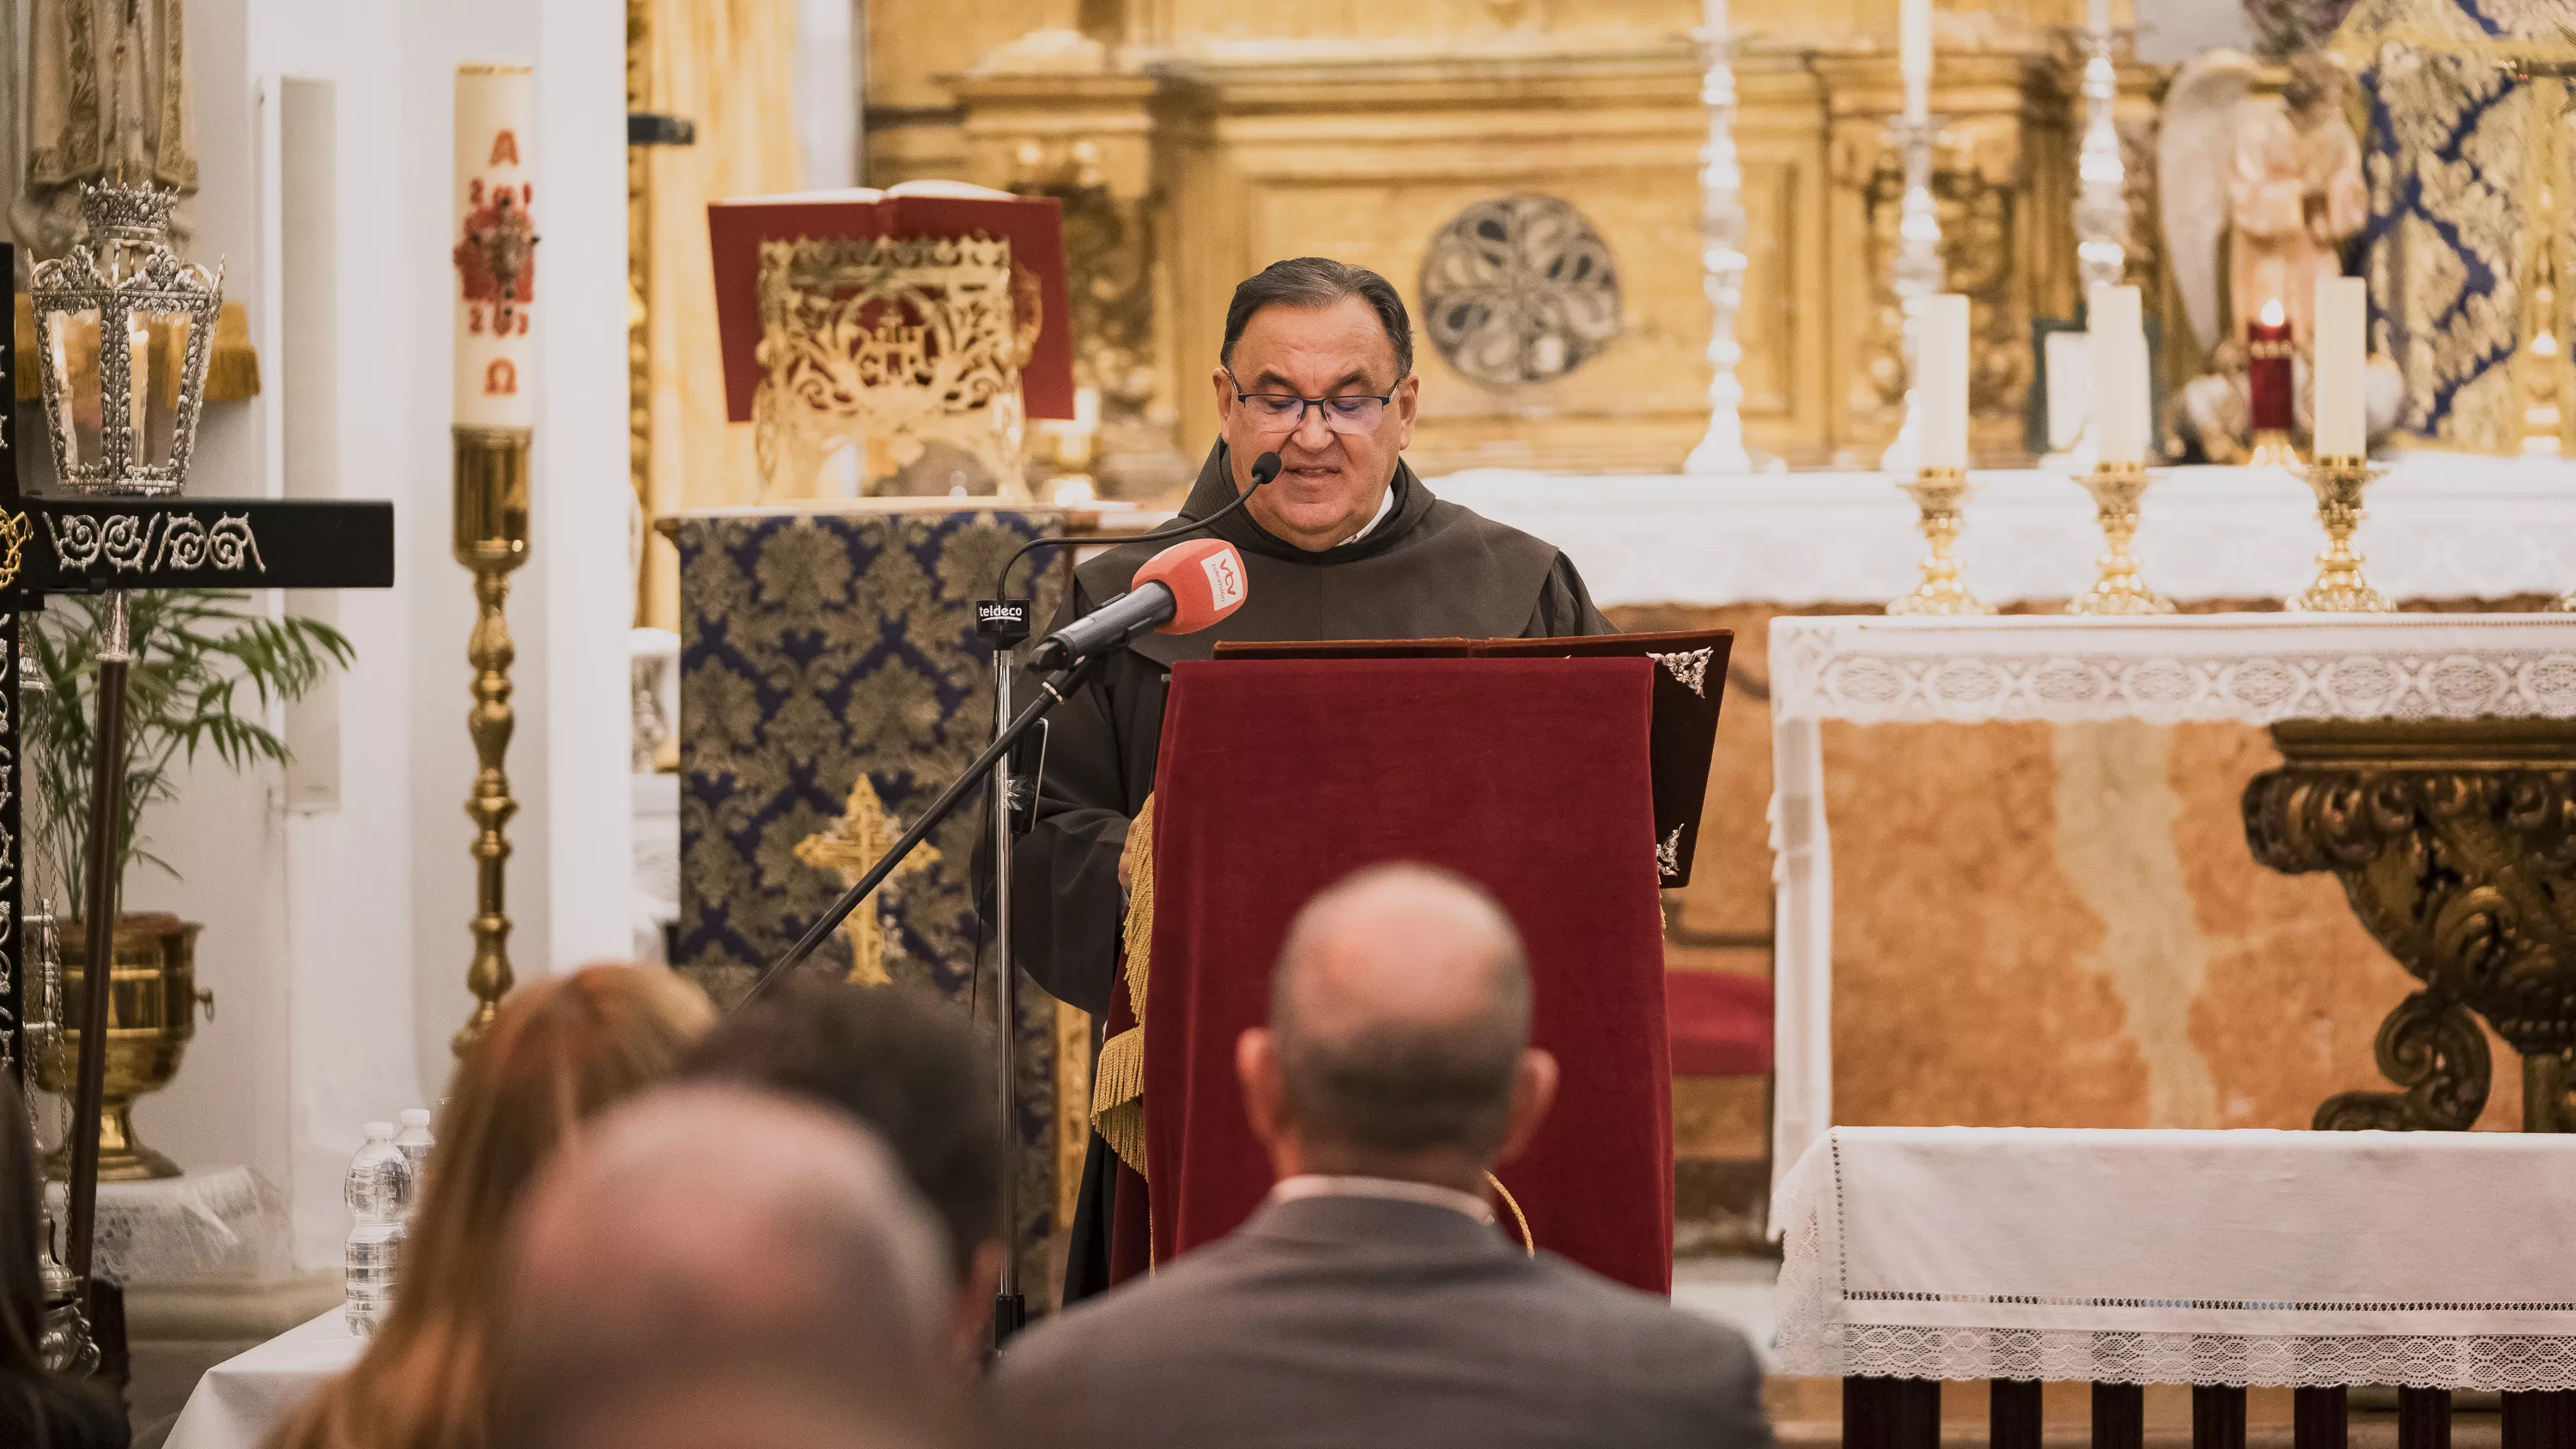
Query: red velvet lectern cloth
[1529,776]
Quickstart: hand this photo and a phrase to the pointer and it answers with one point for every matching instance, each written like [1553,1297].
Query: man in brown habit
[1346,543]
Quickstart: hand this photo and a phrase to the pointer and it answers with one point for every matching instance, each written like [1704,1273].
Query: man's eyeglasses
[1285,412]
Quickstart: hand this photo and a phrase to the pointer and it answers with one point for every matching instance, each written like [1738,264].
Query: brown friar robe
[1428,570]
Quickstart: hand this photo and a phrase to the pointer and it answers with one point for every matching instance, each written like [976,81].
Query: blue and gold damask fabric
[2456,165]
[816,645]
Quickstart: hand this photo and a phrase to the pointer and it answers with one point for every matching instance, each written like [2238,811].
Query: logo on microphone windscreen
[1225,577]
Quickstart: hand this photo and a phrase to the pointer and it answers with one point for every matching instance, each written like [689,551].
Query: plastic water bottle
[415,1142]
[378,1184]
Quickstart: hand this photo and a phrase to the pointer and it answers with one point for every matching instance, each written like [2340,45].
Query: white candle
[1941,378]
[493,246]
[2119,345]
[2101,15]
[2343,308]
[1713,18]
[1914,56]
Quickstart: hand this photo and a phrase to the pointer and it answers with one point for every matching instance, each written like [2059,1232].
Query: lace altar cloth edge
[1937,1253]
[2252,668]
[223,1222]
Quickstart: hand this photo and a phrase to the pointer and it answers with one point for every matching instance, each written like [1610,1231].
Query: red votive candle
[2267,369]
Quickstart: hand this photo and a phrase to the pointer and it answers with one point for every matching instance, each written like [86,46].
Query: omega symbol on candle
[501,379]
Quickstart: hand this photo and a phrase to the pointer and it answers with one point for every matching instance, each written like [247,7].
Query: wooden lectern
[1533,776]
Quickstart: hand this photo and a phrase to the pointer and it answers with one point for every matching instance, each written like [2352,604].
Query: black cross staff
[112,545]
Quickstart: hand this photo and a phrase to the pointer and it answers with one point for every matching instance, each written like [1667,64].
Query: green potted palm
[206,668]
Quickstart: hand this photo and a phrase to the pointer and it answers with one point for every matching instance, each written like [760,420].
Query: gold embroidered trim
[1118,1086]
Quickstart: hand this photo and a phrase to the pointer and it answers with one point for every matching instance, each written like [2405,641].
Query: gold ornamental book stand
[898,342]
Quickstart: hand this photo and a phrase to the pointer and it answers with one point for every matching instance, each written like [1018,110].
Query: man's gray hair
[1391,1084]
[1319,282]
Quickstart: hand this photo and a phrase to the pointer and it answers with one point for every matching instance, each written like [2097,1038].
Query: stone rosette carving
[1519,290]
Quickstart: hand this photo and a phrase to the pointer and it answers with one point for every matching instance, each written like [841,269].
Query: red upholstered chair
[1720,1023]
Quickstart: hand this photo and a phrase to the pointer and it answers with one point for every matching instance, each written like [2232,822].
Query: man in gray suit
[1371,1299]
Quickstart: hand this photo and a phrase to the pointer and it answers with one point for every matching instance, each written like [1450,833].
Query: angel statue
[2297,193]
[106,99]
[2266,186]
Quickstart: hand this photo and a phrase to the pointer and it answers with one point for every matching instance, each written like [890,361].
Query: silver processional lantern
[124,329]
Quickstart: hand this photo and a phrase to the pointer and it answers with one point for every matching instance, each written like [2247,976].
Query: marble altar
[2231,1021]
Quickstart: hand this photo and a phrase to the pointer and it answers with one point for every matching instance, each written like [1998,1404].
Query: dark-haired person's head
[1317,366]
[911,1069]
[1398,1043]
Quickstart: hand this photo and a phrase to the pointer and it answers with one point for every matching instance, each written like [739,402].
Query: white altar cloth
[242,1400]
[2441,526]
[2306,1259]
[2253,668]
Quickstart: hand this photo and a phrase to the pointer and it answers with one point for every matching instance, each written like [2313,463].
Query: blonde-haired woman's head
[561,1050]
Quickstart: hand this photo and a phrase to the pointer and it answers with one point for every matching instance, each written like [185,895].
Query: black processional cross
[108,543]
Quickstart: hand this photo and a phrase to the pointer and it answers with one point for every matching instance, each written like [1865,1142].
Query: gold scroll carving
[893,343]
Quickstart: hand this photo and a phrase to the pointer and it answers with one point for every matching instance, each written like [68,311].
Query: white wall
[336,940]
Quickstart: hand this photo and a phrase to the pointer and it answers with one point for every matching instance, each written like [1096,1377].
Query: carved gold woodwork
[1086,140]
[1237,152]
[2002,178]
[900,341]
[2456,845]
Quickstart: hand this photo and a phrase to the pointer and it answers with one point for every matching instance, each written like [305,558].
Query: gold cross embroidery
[852,844]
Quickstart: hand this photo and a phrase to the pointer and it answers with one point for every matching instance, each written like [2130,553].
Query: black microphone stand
[1005,621]
[1010,1305]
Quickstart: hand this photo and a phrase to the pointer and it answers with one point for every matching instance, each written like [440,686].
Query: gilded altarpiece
[1232,150]
[816,645]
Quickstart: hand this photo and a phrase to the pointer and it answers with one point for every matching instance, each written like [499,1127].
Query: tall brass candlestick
[491,539]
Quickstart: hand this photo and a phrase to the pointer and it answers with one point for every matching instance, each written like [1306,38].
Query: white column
[583,507]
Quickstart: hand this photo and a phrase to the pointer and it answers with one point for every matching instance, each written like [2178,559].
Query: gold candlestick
[491,539]
[1939,492]
[2340,588]
[2117,589]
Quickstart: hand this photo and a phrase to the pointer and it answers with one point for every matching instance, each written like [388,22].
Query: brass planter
[152,998]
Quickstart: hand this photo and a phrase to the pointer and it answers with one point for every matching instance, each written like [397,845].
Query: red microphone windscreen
[1205,576]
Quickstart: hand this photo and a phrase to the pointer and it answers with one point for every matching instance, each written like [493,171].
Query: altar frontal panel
[821,650]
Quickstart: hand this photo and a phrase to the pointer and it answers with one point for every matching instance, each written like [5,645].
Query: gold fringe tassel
[1118,1086]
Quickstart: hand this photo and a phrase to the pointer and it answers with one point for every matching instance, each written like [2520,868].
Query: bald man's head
[707,1238]
[1400,1010]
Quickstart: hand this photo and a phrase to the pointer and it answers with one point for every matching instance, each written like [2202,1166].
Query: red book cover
[1034,226]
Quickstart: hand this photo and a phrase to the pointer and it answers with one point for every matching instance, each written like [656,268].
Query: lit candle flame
[2273,316]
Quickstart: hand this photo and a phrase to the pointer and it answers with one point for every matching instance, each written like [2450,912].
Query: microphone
[1183,589]
[1264,468]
